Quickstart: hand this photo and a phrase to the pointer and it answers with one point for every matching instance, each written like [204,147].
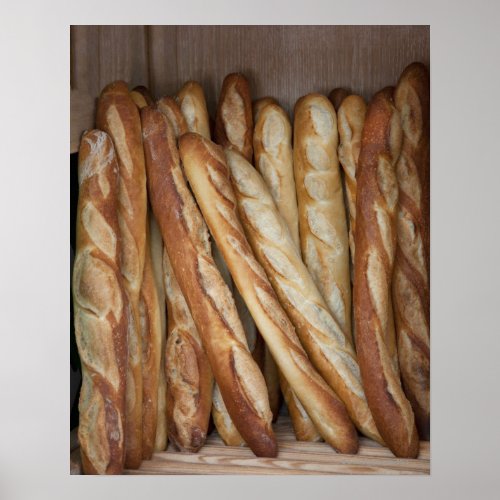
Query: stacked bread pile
[220,267]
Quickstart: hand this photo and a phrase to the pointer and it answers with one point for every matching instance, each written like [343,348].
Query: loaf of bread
[272,144]
[156,248]
[189,376]
[322,338]
[211,304]
[336,97]
[375,237]
[209,178]
[169,107]
[350,120]
[234,122]
[100,309]
[223,422]
[411,267]
[118,116]
[259,104]
[150,323]
[191,100]
[141,96]
[322,218]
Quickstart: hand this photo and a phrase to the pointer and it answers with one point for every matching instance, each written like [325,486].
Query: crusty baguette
[376,210]
[189,377]
[272,144]
[322,338]
[303,426]
[100,309]
[223,422]
[211,304]
[322,218]
[272,141]
[119,117]
[141,96]
[350,120]
[169,107]
[192,103]
[209,178]
[234,121]
[336,97]
[156,247]
[259,104]
[411,267]
[150,323]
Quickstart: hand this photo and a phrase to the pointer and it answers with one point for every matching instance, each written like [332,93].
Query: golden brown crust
[322,218]
[350,120]
[322,338]
[336,97]
[193,106]
[169,107]
[272,142]
[259,104]
[234,121]
[303,426]
[151,334]
[100,309]
[156,247]
[189,377]
[375,247]
[209,179]
[141,96]
[209,300]
[223,422]
[118,116]
[271,376]
[411,294]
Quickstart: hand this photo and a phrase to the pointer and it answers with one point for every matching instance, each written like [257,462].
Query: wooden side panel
[282,61]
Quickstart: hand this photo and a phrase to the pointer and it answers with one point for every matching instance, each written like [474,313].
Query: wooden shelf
[294,458]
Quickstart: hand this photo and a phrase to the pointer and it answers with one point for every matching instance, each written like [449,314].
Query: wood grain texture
[294,457]
[361,58]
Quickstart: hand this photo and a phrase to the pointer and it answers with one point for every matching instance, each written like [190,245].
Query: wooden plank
[123,55]
[82,112]
[84,42]
[162,49]
[294,457]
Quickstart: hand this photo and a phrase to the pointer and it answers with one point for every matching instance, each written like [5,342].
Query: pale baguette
[193,105]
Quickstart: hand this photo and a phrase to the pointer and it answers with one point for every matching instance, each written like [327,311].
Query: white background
[34,258]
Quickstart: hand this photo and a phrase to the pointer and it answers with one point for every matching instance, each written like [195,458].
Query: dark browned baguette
[119,117]
[208,297]
[101,309]
[336,97]
[209,178]
[234,121]
[375,239]
[411,292]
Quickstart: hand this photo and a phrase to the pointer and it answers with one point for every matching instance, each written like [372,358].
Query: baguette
[274,160]
[169,107]
[259,104]
[336,97]
[411,267]
[223,422]
[351,117]
[156,247]
[141,96]
[322,338]
[209,179]
[209,299]
[375,238]
[272,143]
[150,323]
[189,377]
[322,218]
[193,105]
[100,309]
[118,116]
[233,121]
